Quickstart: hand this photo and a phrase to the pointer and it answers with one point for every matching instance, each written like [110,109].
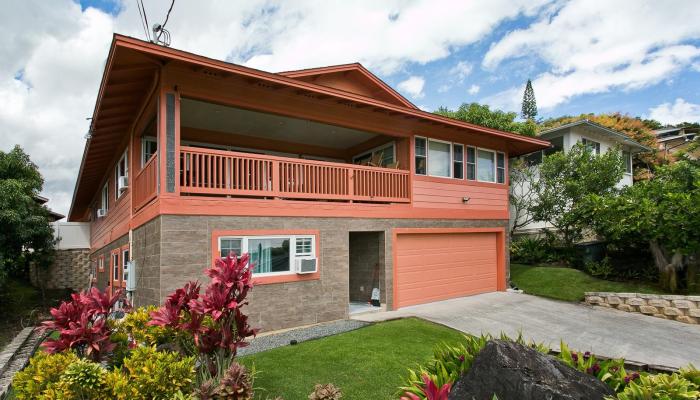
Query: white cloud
[461,70]
[679,111]
[593,48]
[473,89]
[413,86]
[59,51]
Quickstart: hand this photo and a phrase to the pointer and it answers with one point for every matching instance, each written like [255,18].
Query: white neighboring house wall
[72,235]
[574,133]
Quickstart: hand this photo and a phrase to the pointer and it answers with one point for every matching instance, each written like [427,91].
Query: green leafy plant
[602,269]
[611,372]
[43,371]
[326,392]
[530,250]
[158,374]
[661,387]
[135,326]
[82,379]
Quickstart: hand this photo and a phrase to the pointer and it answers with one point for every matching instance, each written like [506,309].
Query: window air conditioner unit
[123,183]
[101,213]
[306,265]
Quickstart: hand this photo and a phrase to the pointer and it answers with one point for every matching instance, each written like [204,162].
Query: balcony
[210,172]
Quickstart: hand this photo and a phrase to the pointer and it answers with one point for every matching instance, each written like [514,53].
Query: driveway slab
[602,331]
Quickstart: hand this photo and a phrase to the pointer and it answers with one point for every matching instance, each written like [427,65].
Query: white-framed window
[93,269]
[421,150]
[627,160]
[439,158]
[385,154]
[101,264]
[121,170]
[270,255]
[149,147]
[104,200]
[490,166]
[115,266]
[471,163]
[125,264]
[458,161]
[593,145]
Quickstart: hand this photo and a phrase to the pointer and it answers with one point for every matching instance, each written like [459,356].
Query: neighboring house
[599,138]
[673,140]
[53,216]
[331,180]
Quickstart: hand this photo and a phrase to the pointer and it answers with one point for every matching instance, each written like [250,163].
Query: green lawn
[367,363]
[569,284]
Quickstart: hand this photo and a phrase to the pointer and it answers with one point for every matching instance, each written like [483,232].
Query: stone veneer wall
[177,249]
[70,270]
[680,308]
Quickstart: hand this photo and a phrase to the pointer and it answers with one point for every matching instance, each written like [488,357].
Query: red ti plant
[81,324]
[213,319]
[430,391]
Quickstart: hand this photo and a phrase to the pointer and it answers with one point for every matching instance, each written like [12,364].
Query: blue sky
[640,57]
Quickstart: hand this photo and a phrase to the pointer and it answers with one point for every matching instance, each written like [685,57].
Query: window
[228,246]
[594,146]
[471,163]
[382,155]
[149,147]
[421,156]
[439,158]
[93,269]
[125,265]
[557,146]
[627,160]
[534,158]
[486,166]
[500,168]
[101,263]
[121,171]
[271,255]
[104,202]
[458,161]
[115,266]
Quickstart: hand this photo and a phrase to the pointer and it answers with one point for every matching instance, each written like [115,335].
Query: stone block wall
[680,308]
[70,270]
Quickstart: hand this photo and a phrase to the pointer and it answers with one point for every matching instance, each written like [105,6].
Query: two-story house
[598,138]
[332,181]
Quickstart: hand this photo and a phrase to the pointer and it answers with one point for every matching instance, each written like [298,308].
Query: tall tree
[529,110]
[522,177]
[565,179]
[26,233]
[481,114]
[664,212]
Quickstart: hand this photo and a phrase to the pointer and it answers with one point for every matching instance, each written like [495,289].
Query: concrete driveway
[601,331]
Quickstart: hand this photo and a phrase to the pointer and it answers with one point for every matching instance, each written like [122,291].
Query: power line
[167,16]
[145,17]
[144,25]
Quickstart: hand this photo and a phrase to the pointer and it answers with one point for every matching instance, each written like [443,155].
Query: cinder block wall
[366,254]
[70,270]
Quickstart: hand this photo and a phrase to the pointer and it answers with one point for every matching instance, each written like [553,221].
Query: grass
[569,284]
[21,305]
[367,363]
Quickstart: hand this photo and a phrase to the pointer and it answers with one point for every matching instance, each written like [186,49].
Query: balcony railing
[217,172]
[145,184]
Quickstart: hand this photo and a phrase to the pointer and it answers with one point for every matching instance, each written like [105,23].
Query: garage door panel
[437,266]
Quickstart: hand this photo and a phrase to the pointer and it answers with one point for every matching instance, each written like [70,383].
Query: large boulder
[513,371]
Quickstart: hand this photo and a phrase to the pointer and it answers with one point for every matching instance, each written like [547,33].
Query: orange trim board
[267,280]
[500,252]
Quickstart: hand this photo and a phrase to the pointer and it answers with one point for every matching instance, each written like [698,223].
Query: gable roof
[132,71]
[613,134]
[372,85]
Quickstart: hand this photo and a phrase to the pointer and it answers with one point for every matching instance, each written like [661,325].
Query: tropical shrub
[326,392]
[430,391]
[611,372]
[44,370]
[602,269]
[136,328]
[214,320]
[82,325]
[82,379]
[531,250]
[660,386]
[158,374]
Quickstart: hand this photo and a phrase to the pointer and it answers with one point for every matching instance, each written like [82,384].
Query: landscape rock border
[680,308]
[15,356]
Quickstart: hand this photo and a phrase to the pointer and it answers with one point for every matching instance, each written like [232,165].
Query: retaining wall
[680,308]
